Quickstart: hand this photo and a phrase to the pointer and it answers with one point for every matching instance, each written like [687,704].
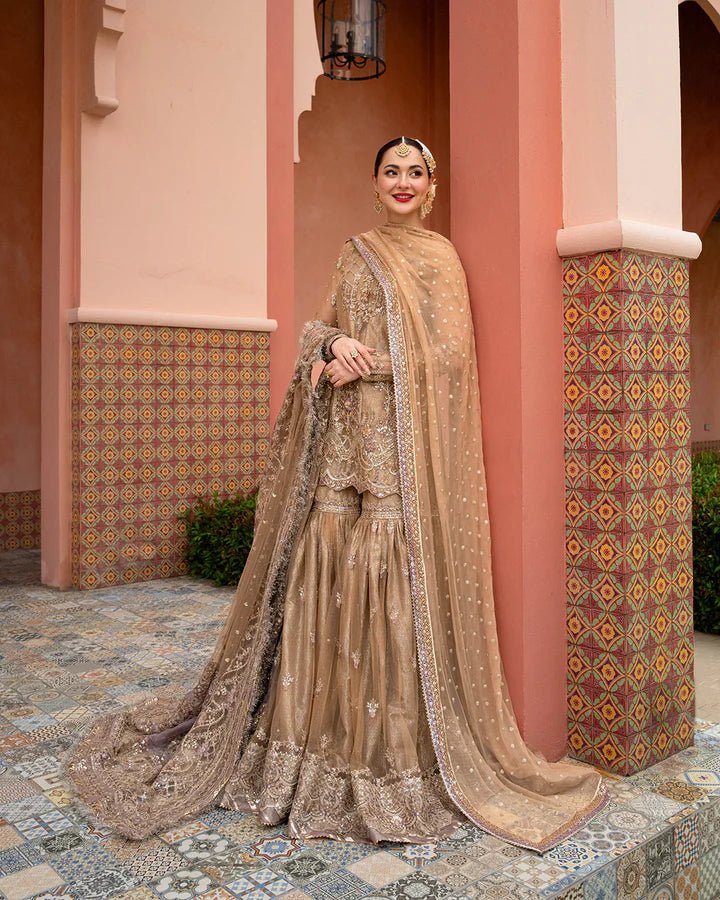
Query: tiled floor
[65,657]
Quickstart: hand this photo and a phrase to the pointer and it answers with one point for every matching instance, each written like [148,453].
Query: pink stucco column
[505,136]
[59,285]
[280,197]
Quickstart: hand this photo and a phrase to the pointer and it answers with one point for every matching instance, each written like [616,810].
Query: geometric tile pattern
[19,520]
[628,509]
[160,416]
[101,649]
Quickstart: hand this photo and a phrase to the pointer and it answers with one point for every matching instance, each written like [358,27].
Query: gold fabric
[341,747]
[488,770]
[360,447]
[356,688]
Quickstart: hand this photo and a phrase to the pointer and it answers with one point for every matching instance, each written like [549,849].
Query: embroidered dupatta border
[418,582]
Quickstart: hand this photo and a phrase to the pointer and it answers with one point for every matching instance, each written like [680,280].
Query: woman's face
[402,183]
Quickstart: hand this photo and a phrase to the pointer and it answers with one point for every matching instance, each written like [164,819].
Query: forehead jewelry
[402,149]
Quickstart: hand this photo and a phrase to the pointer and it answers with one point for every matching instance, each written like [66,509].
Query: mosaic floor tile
[179,619]
[534,872]
[687,883]
[202,846]
[665,891]
[29,882]
[154,863]
[183,884]
[304,867]
[259,883]
[16,858]
[631,876]
[602,885]
[10,837]
[380,869]
[419,884]
[687,842]
[660,858]
[710,875]
[497,885]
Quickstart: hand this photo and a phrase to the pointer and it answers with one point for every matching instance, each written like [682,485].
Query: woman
[356,689]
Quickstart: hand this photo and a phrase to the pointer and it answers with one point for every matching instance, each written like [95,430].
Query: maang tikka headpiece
[403,148]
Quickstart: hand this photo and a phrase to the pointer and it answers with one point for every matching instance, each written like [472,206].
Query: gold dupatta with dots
[488,770]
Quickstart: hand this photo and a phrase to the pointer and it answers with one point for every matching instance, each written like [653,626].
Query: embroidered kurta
[360,446]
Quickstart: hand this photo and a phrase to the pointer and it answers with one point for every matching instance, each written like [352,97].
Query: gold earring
[427,204]
[378,203]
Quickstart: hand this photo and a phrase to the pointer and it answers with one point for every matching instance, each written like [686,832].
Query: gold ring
[354,352]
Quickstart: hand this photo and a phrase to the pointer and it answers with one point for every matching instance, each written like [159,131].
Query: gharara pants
[342,747]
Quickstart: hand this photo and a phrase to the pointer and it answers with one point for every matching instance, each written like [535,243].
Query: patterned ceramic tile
[29,882]
[418,884]
[687,842]
[632,876]
[183,884]
[19,520]
[130,634]
[687,883]
[665,891]
[160,416]
[499,886]
[602,885]
[260,882]
[627,434]
[710,875]
[660,858]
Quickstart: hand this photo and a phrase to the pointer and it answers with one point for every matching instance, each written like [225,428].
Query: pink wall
[700,70]
[280,191]
[506,157]
[21,128]
[705,339]
[173,203]
[700,85]
[347,124]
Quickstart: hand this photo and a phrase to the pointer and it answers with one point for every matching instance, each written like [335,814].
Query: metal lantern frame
[342,58]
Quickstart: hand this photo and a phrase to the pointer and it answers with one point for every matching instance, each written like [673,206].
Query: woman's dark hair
[394,143]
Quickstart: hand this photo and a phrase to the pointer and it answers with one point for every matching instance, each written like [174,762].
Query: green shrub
[706,541]
[220,534]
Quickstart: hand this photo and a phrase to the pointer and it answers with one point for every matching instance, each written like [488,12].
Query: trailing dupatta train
[487,769]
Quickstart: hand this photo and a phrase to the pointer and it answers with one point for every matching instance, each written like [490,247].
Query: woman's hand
[353,355]
[339,374]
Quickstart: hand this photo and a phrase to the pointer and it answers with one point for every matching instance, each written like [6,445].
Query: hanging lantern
[352,38]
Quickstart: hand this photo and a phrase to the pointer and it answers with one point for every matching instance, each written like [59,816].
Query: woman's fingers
[356,364]
[361,362]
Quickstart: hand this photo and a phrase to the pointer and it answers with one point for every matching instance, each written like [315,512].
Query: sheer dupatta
[489,772]
[144,768]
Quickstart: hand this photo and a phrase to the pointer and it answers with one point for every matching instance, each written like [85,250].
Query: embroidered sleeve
[315,341]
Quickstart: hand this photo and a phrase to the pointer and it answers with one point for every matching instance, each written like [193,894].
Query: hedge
[220,534]
[706,540]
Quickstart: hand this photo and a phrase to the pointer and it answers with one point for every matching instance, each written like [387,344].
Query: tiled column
[160,417]
[627,433]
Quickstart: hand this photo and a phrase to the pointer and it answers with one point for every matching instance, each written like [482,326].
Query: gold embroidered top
[360,448]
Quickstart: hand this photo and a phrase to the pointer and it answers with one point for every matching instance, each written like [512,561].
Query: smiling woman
[404,181]
[356,690]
